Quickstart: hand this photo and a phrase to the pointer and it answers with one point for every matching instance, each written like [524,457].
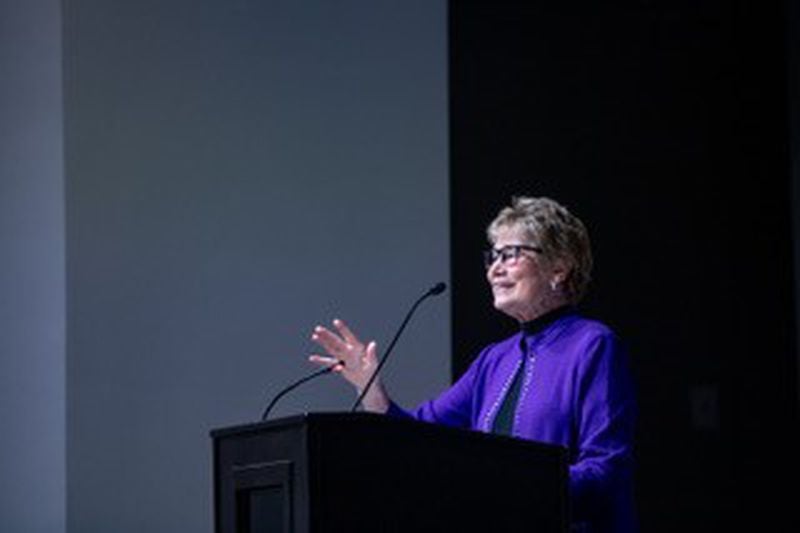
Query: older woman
[562,379]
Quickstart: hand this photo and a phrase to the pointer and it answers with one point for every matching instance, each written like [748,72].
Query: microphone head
[437,289]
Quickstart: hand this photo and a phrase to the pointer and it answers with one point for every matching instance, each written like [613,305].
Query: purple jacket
[577,392]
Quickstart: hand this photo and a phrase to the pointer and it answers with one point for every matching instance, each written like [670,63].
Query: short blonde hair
[560,234]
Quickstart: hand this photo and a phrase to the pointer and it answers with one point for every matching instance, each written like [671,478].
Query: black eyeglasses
[509,254]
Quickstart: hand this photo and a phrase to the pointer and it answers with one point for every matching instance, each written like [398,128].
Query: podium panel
[331,472]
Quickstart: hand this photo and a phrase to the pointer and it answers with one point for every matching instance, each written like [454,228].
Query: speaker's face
[519,276]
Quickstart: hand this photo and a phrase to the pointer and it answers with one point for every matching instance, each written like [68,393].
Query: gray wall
[32,403]
[237,172]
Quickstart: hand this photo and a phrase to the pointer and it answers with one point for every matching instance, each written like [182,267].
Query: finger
[331,342]
[371,353]
[345,331]
[322,330]
[327,361]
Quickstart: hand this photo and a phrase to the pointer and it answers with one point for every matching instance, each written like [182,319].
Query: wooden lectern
[362,472]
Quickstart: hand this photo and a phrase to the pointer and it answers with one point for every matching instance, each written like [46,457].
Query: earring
[553,285]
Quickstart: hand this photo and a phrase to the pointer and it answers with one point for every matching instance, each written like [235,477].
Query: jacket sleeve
[456,406]
[606,412]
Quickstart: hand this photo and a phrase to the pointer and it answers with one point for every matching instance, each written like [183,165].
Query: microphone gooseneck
[437,289]
[284,392]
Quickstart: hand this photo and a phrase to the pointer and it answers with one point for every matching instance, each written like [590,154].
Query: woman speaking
[563,379]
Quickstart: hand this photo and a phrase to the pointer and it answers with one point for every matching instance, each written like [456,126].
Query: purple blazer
[576,391]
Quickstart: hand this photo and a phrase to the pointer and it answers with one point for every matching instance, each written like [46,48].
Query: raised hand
[353,360]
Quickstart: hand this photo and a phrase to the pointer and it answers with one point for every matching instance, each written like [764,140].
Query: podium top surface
[384,422]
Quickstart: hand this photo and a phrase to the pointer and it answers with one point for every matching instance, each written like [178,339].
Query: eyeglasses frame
[507,253]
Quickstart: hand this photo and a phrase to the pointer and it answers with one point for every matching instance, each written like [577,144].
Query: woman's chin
[505,307]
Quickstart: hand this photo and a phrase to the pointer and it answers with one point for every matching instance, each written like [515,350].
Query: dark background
[666,127]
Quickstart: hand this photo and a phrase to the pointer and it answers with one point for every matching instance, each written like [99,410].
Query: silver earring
[553,285]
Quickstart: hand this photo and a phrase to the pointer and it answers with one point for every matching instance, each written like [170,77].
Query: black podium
[329,472]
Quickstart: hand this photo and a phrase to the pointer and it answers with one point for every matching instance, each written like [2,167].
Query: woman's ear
[560,271]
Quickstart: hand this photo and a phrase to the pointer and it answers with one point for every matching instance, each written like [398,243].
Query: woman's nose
[495,269]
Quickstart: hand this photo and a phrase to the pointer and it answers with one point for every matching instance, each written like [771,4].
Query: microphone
[296,384]
[436,290]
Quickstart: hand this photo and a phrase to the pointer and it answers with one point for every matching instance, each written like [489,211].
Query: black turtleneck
[504,421]
[539,323]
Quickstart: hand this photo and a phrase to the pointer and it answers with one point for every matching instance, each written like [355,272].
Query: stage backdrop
[237,172]
[665,126]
